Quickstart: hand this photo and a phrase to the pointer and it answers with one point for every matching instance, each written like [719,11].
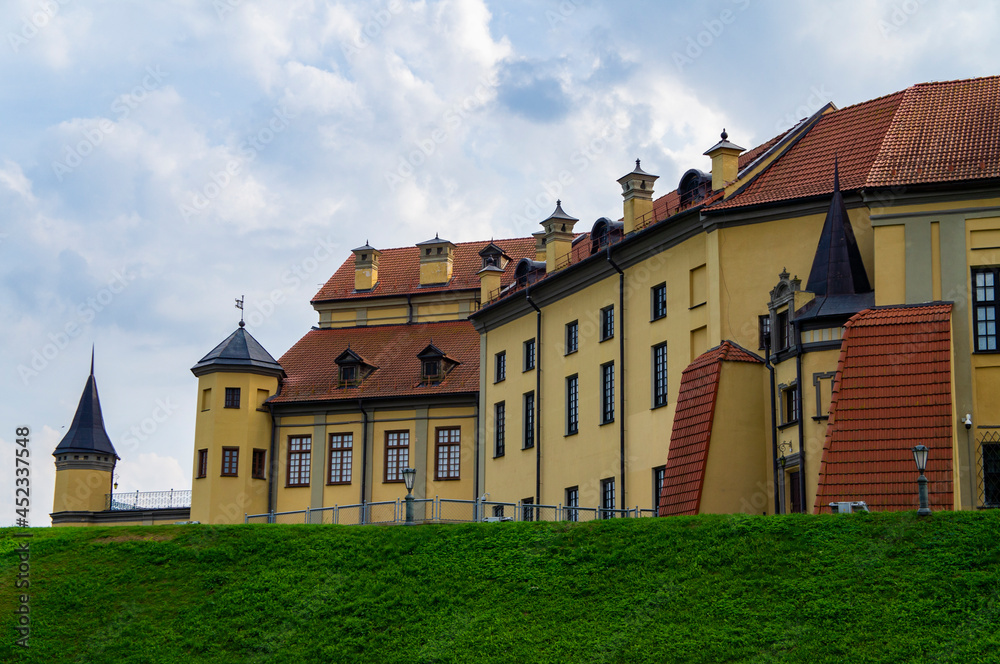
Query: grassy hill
[849,588]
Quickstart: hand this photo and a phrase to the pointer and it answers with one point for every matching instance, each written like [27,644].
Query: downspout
[621,361]
[409,308]
[271,486]
[475,443]
[774,425]
[364,449]
[802,416]
[538,395]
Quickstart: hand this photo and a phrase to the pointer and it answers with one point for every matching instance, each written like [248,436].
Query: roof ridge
[462,244]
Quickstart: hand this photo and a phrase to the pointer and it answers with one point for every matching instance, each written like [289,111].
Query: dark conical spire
[239,352]
[87,433]
[837,268]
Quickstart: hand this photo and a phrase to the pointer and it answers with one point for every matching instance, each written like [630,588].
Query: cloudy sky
[160,159]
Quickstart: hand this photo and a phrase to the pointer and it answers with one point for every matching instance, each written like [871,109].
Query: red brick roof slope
[312,373]
[892,391]
[688,453]
[399,270]
[942,132]
[931,132]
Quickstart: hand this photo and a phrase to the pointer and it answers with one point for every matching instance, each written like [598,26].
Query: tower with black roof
[233,430]
[85,460]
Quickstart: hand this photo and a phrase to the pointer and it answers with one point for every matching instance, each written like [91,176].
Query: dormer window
[351,369]
[494,256]
[605,232]
[432,371]
[434,365]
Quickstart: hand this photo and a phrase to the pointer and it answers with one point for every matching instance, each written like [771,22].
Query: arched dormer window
[528,271]
[694,186]
[604,233]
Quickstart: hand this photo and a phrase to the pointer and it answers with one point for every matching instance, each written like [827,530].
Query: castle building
[771,336]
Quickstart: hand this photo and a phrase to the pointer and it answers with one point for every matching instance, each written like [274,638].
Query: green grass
[858,588]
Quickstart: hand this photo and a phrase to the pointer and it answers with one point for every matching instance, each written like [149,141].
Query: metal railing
[444,510]
[147,500]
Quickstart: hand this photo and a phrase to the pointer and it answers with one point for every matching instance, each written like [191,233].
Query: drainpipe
[621,361]
[774,424]
[364,449]
[409,308]
[475,443]
[802,417]
[538,395]
[271,486]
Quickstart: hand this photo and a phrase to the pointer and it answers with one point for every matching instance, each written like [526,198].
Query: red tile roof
[399,270]
[692,432]
[931,132]
[892,391]
[312,373]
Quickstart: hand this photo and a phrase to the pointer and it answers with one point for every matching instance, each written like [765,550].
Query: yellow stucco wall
[79,489]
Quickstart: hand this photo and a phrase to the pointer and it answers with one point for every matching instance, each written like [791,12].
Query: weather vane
[239,305]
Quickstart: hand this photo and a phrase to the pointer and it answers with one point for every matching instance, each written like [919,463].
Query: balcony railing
[147,500]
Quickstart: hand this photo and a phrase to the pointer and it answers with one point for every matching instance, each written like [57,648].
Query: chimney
[637,190]
[725,162]
[558,236]
[436,258]
[365,267]
[489,282]
[539,245]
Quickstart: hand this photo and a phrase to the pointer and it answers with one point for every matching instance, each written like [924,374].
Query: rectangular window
[784,338]
[232,397]
[659,375]
[790,404]
[349,375]
[984,308]
[397,454]
[572,405]
[230,461]
[299,455]
[795,492]
[202,463]
[658,302]
[763,331]
[447,453]
[572,337]
[499,428]
[991,474]
[527,509]
[607,322]
[658,474]
[607,393]
[529,420]
[500,367]
[607,497]
[258,466]
[262,396]
[341,454]
[572,502]
[431,371]
[529,354]
[206,398]
[498,511]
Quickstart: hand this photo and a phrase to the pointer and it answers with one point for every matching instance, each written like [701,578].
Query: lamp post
[408,475]
[920,457]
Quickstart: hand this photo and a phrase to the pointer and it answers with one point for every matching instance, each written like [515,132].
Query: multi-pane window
[529,354]
[527,509]
[572,337]
[447,453]
[572,502]
[658,302]
[607,322]
[784,338]
[991,473]
[499,428]
[432,371]
[230,461]
[790,404]
[658,474]
[763,331]
[232,397]
[607,392]
[529,420]
[341,454]
[500,367]
[572,404]
[984,308]
[257,466]
[349,375]
[299,455]
[202,463]
[607,497]
[397,454]
[659,375]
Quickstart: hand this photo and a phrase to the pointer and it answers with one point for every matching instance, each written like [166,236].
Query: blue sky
[158,160]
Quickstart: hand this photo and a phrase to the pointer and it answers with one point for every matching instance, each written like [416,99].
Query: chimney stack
[725,162]
[637,190]
[436,259]
[558,236]
[365,267]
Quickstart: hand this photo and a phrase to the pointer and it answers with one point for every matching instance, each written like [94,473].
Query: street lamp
[408,475]
[920,457]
